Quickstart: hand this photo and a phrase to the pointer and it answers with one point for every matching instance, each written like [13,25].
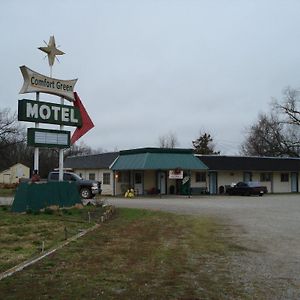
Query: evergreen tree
[204,145]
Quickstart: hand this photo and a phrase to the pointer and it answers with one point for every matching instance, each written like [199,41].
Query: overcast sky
[147,68]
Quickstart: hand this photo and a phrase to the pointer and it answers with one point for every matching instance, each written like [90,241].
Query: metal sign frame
[48,138]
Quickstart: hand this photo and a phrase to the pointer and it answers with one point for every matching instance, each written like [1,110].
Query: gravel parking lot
[268,226]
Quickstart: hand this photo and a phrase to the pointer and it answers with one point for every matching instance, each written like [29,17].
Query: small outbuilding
[14,174]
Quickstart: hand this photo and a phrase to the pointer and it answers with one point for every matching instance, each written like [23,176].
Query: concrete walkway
[6,200]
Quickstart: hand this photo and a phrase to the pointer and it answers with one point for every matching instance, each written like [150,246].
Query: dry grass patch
[138,255]
[22,235]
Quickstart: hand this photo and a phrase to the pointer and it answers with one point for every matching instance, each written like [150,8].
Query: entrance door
[161,182]
[213,184]
[138,182]
[294,182]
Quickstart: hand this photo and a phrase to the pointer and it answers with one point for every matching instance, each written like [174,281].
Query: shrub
[48,211]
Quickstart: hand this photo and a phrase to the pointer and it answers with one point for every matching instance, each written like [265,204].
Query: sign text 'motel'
[36,82]
[45,112]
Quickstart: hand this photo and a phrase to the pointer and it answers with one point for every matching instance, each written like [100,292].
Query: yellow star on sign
[51,50]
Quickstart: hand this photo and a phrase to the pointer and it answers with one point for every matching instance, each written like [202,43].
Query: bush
[8,186]
[48,211]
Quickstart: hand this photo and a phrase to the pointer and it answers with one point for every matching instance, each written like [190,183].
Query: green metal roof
[143,159]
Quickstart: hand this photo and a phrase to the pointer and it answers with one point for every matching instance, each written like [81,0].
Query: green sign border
[22,104]
[31,142]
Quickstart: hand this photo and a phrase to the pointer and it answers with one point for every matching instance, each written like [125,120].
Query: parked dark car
[87,188]
[247,189]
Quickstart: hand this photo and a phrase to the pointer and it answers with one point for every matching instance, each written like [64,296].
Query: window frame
[105,176]
[200,177]
[92,177]
[284,177]
[266,177]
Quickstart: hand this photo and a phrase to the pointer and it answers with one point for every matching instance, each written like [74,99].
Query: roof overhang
[157,159]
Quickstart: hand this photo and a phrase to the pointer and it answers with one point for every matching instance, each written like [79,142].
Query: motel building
[151,171]
[156,171]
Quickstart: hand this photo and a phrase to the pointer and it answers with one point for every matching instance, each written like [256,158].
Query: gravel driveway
[268,226]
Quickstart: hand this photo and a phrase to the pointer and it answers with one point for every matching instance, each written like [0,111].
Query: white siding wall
[149,180]
[281,187]
[274,186]
[224,178]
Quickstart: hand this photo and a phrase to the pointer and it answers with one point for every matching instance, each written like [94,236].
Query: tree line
[275,133]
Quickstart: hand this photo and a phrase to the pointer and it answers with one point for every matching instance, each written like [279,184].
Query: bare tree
[12,139]
[269,137]
[168,140]
[276,133]
[289,107]
[78,149]
[11,132]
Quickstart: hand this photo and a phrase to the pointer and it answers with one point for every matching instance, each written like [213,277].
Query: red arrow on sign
[87,123]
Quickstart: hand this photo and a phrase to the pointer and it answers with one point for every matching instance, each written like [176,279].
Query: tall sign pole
[61,152]
[52,51]
[36,149]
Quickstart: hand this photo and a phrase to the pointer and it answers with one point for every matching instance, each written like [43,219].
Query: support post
[61,153]
[36,149]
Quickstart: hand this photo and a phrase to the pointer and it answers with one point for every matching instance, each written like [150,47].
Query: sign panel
[45,112]
[36,82]
[175,174]
[48,138]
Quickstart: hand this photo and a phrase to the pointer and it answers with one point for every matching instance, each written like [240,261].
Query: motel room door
[161,182]
[213,183]
[294,182]
[138,182]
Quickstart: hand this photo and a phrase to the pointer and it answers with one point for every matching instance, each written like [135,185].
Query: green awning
[149,159]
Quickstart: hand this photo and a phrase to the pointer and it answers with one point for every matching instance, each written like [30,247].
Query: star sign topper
[51,50]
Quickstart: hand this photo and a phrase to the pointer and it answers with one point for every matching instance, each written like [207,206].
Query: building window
[106,178]
[200,176]
[92,176]
[284,177]
[265,176]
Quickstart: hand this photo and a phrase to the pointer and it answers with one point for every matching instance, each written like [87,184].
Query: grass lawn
[139,254]
[7,192]
[22,235]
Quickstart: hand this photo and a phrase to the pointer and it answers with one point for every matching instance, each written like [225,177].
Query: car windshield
[77,176]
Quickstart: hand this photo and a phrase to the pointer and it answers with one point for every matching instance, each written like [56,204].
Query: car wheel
[85,193]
